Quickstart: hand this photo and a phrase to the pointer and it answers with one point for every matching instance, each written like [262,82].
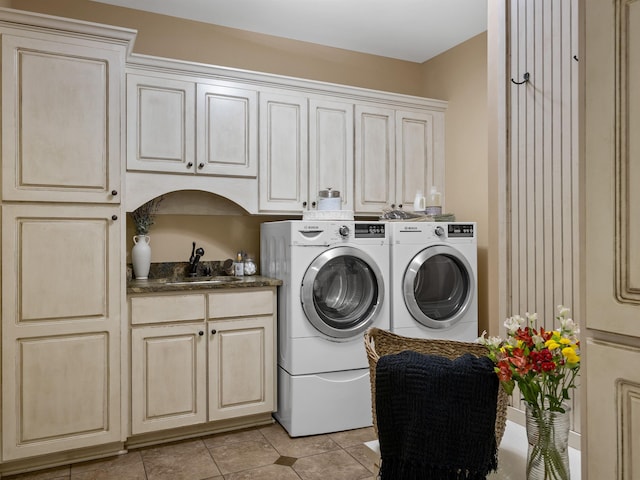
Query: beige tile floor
[263,453]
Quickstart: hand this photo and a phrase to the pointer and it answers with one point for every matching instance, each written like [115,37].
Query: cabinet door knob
[313,204]
[114,217]
[201,333]
[400,206]
[213,331]
[304,204]
[114,192]
[201,165]
[190,164]
[393,205]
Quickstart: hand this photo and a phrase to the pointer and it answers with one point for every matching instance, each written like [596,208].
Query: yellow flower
[570,354]
[551,344]
[565,341]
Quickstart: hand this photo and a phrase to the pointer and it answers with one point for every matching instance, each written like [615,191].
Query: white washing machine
[434,280]
[334,287]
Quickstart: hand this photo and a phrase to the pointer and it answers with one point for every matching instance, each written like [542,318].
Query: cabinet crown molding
[148,64]
[10,17]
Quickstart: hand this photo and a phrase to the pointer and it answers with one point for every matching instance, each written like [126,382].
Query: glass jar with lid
[250,267]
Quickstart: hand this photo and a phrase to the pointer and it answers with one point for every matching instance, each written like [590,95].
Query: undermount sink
[202,280]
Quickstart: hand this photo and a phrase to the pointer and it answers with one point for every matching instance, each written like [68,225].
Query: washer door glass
[438,286]
[342,291]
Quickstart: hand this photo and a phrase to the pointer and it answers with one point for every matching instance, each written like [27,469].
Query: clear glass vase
[548,437]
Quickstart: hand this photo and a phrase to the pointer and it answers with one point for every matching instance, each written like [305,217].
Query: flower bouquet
[544,365]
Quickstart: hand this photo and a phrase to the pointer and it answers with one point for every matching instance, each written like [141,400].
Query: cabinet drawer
[240,303]
[170,308]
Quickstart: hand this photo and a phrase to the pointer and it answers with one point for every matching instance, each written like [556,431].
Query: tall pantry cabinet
[62,235]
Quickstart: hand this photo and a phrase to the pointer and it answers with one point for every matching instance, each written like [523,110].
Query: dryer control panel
[370,230]
[460,230]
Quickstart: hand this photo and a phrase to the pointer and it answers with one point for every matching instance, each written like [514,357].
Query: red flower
[545,335]
[519,360]
[547,366]
[504,372]
[524,334]
[542,360]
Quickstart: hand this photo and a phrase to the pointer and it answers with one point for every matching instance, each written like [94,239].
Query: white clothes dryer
[334,287]
[434,280]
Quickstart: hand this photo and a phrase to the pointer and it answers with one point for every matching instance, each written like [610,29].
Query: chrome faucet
[196,254]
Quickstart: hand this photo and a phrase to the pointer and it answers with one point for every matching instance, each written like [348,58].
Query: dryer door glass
[342,292]
[438,286]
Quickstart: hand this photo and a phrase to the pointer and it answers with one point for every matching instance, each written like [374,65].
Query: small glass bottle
[238,265]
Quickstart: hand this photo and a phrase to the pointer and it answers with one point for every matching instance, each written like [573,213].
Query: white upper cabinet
[283,153]
[398,152]
[180,125]
[160,124]
[61,118]
[290,175]
[331,149]
[227,131]
[419,155]
[374,159]
[271,143]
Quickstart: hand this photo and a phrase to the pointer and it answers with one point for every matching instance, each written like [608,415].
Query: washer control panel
[460,230]
[370,230]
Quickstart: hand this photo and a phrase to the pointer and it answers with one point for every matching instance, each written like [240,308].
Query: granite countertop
[218,282]
[174,277]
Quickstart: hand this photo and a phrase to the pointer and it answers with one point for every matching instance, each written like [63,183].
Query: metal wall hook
[525,79]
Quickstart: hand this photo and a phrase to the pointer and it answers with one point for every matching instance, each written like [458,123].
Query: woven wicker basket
[381,342]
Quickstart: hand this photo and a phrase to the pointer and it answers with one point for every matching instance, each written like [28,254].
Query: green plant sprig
[143,216]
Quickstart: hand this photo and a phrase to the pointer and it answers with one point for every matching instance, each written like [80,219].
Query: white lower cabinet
[168,377]
[240,366]
[201,357]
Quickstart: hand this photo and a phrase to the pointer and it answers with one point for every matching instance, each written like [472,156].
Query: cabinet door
[374,159]
[283,153]
[160,124]
[227,131]
[241,367]
[62,284]
[418,156]
[168,377]
[61,119]
[331,149]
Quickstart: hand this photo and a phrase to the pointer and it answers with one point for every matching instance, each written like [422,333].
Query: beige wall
[459,76]
[221,236]
[200,42]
